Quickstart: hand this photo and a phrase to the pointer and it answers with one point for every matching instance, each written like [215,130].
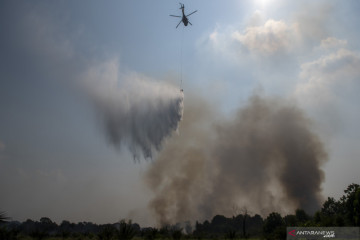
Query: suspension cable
[181,59]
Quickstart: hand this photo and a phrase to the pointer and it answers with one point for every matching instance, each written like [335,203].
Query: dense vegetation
[342,212]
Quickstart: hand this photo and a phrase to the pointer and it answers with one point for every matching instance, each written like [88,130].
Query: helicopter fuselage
[185,20]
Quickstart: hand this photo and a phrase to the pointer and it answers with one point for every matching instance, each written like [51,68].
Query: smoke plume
[135,111]
[265,158]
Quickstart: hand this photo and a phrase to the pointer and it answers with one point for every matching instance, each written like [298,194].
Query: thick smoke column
[269,146]
[135,111]
[178,177]
[265,158]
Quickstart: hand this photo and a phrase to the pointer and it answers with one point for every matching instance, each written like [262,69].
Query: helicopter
[184,18]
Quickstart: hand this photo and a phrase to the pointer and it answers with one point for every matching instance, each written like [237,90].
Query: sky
[55,160]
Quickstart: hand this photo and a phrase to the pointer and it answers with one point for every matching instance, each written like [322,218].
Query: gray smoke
[266,158]
[178,177]
[135,111]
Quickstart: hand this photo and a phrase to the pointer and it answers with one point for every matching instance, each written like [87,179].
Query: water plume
[135,111]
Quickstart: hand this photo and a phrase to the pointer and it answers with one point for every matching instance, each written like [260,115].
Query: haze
[64,96]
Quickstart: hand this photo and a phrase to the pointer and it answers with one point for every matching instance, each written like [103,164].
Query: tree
[5,233]
[350,204]
[245,213]
[317,218]
[331,207]
[9,233]
[149,233]
[38,234]
[46,220]
[301,216]
[231,234]
[290,220]
[274,226]
[107,232]
[273,221]
[176,233]
[126,230]
[3,217]
[331,213]
[357,207]
[219,220]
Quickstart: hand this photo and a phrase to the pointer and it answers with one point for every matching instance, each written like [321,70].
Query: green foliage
[301,216]
[149,233]
[279,233]
[273,221]
[126,230]
[231,234]
[64,234]
[107,232]
[38,234]
[350,204]
[165,232]
[331,207]
[290,220]
[273,227]
[356,207]
[342,212]
[176,233]
[4,233]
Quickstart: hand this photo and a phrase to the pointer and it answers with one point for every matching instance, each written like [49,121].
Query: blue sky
[54,160]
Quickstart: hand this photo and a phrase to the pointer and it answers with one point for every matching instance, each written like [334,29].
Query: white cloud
[266,54]
[268,37]
[323,77]
[274,36]
[219,43]
[328,90]
[314,21]
[256,19]
[332,42]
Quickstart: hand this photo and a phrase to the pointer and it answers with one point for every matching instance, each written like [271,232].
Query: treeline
[342,212]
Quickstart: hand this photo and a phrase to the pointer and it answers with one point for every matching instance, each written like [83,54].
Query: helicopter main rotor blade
[174,16]
[191,13]
[190,23]
[178,23]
